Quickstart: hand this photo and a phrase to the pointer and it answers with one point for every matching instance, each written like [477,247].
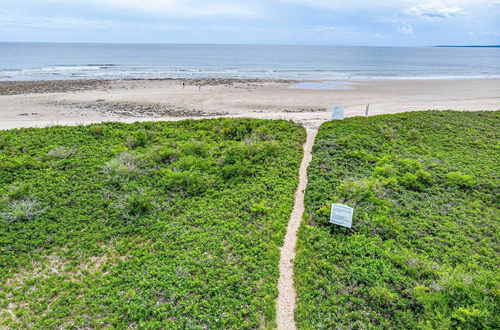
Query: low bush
[423,250]
[135,205]
[458,179]
[149,234]
[137,139]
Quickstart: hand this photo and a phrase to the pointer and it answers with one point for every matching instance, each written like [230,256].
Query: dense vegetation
[171,225]
[424,249]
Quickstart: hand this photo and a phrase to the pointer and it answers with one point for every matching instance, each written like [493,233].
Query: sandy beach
[37,104]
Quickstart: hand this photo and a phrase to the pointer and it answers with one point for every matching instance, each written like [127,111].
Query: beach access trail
[285,304]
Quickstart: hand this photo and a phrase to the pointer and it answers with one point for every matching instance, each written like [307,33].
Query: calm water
[32,61]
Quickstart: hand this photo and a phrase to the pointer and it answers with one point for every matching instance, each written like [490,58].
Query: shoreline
[58,85]
[73,102]
[63,85]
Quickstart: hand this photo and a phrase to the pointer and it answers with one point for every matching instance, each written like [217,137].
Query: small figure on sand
[183,84]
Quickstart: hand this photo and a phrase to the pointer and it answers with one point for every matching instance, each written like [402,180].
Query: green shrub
[154,238]
[409,165]
[382,296]
[386,227]
[422,253]
[3,143]
[97,130]
[237,172]
[424,178]
[417,181]
[409,180]
[469,318]
[164,155]
[17,191]
[195,148]
[138,204]
[363,155]
[190,182]
[138,139]
[260,208]
[385,171]
[354,190]
[458,179]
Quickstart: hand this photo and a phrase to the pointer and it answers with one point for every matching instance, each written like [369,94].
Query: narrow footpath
[285,305]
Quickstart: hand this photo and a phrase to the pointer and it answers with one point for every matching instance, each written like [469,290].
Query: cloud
[177,8]
[399,22]
[327,28]
[391,5]
[54,22]
[434,10]
[189,7]
[342,5]
[406,29]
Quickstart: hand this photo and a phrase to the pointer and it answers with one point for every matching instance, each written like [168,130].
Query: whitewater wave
[116,71]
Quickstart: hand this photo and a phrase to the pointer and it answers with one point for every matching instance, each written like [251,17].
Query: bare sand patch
[176,99]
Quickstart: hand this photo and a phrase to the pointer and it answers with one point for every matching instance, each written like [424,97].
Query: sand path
[285,304]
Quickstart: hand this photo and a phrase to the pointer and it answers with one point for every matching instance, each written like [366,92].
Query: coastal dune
[37,104]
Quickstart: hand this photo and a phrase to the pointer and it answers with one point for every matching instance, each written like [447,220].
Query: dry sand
[135,100]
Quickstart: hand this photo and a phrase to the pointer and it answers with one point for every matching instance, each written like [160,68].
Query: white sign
[341,215]
[338,112]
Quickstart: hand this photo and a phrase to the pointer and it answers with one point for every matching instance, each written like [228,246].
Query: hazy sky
[323,22]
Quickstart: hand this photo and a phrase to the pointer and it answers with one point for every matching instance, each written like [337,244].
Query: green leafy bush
[458,179]
[423,251]
[154,237]
[356,191]
[260,208]
[138,204]
[164,155]
[382,296]
[16,191]
[190,182]
[137,139]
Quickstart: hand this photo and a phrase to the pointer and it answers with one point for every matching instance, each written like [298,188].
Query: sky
[297,22]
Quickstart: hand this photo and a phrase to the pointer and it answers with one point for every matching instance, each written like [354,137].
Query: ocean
[51,61]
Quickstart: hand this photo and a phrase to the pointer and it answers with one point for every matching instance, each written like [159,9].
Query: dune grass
[172,225]
[424,248]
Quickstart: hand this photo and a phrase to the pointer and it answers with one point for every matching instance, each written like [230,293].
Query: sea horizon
[32,61]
